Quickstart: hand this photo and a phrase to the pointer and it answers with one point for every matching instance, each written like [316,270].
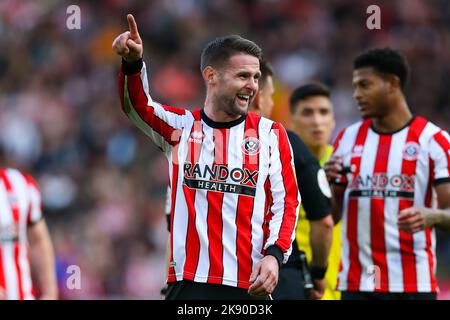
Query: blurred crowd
[103,181]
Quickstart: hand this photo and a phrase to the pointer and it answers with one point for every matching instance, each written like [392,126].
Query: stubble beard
[233,110]
[230,108]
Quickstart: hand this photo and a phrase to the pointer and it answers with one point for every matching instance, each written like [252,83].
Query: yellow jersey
[303,243]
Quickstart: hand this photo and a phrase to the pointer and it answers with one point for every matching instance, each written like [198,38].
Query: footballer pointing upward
[234,194]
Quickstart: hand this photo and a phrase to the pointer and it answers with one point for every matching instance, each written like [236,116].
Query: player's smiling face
[237,83]
[370,92]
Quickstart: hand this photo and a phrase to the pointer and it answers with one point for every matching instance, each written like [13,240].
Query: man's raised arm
[160,123]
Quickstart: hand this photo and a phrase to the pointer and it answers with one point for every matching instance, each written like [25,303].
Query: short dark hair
[266,71]
[218,51]
[303,92]
[385,61]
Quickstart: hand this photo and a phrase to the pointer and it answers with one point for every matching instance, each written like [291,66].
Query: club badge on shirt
[251,146]
[411,151]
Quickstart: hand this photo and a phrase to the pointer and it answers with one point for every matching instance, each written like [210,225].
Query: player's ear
[257,101]
[393,82]
[333,122]
[209,75]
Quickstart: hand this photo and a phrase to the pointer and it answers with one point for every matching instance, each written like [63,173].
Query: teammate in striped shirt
[227,170]
[295,282]
[384,165]
[23,231]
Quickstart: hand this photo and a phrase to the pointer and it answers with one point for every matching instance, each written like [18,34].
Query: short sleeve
[439,150]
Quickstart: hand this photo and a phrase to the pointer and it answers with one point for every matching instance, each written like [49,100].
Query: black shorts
[290,284]
[189,290]
[359,295]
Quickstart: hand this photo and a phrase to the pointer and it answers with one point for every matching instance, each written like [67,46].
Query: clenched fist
[129,44]
[334,168]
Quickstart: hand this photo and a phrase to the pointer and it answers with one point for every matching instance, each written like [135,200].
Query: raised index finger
[132,25]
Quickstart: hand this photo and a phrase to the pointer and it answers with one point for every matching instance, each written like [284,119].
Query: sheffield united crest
[251,146]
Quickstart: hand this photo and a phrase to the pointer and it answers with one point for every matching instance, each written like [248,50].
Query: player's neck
[318,151]
[394,120]
[217,114]
[220,116]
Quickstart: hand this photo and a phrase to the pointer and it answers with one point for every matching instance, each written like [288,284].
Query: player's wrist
[132,67]
[438,217]
[275,252]
[318,272]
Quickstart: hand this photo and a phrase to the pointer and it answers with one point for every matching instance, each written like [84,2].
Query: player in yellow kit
[313,121]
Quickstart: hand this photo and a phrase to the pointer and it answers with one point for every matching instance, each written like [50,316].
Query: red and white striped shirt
[20,206]
[391,172]
[234,193]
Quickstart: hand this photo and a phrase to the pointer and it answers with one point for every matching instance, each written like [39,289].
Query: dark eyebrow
[359,81]
[324,108]
[247,73]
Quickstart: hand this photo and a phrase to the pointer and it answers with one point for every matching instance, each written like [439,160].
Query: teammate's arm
[160,123]
[414,219]
[42,259]
[40,244]
[167,210]
[333,169]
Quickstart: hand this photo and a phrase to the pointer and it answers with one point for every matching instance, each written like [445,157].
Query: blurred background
[103,181]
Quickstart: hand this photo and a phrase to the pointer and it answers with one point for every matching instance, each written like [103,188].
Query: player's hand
[413,220]
[319,289]
[334,168]
[2,293]
[264,277]
[128,45]
[48,297]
